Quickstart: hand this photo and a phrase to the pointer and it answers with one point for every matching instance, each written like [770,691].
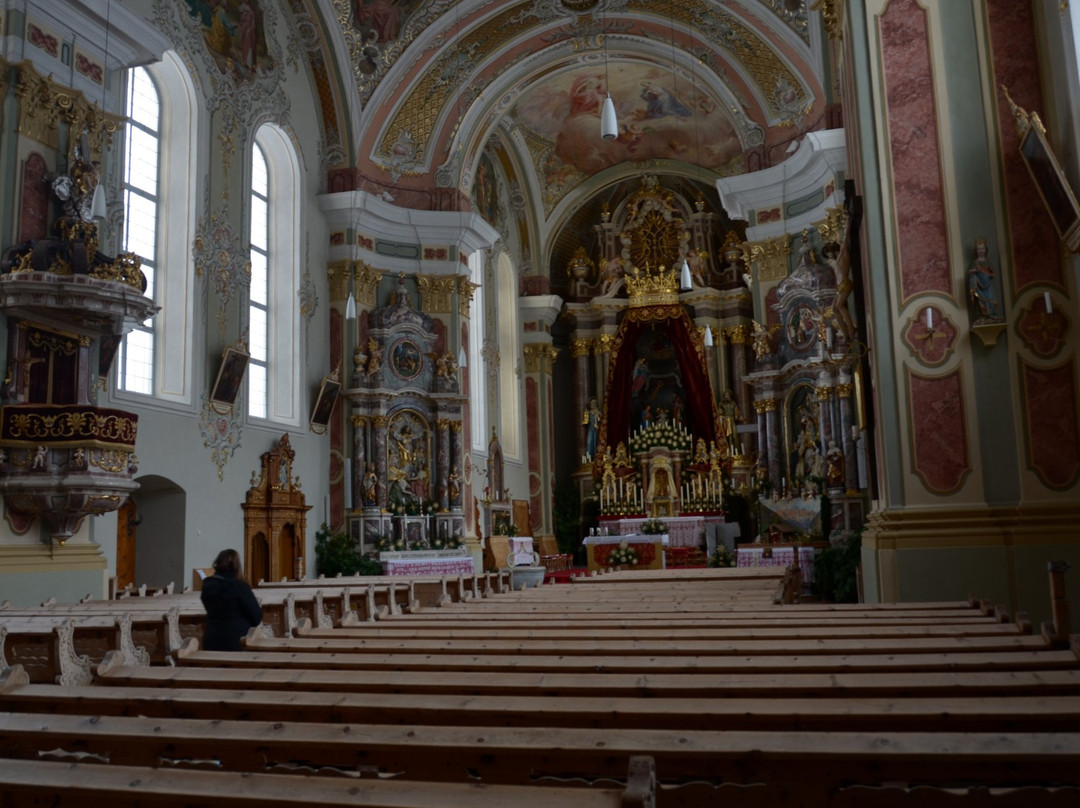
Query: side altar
[404,476]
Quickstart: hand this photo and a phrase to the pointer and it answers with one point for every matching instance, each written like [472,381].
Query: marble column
[359,457]
[738,336]
[825,419]
[603,361]
[442,463]
[847,420]
[457,458]
[378,423]
[579,350]
[775,442]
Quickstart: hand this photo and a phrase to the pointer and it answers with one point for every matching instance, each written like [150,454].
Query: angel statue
[761,342]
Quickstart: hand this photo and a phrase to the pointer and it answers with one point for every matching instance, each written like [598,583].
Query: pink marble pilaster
[938,431]
[1050,415]
[1036,248]
[922,242]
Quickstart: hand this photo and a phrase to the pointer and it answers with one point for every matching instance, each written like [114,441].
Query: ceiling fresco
[659,119]
[702,88]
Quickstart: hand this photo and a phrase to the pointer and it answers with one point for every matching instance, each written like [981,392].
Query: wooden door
[259,568]
[286,553]
[126,527]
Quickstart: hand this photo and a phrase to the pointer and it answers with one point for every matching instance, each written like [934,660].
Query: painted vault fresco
[659,118]
[381,20]
[233,31]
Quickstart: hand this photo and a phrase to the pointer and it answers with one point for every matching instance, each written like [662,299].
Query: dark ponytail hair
[228,564]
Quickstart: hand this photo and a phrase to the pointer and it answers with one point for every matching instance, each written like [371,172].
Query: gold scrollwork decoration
[436,292]
[113,461]
[771,256]
[465,289]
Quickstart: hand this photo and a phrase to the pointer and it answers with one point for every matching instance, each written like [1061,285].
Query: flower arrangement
[654,527]
[624,556]
[721,557]
[386,543]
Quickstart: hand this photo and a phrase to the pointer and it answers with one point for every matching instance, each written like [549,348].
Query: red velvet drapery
[701,413]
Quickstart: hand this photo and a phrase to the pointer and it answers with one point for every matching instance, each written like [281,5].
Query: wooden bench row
[63,642]
[914,703]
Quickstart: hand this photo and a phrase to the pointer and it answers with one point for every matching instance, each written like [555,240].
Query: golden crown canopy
[652,288]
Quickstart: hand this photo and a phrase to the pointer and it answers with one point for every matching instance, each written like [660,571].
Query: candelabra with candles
[701,494]
[621,496]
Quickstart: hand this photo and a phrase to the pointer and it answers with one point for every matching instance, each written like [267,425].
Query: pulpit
[275,519]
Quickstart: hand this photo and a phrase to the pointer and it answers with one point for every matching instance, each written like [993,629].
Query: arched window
[477,380]
[509,393]
[160,137]
[274,333]
[259,294]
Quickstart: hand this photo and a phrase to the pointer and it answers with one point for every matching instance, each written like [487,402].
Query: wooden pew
[1004,712]
[934,696]
[90,785]
[516,756]
[648,683]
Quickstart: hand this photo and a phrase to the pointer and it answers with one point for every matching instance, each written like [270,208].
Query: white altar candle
[929,317]
[1046,300]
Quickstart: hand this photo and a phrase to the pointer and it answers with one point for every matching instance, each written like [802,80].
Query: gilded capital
[823,393]
[366,280]
[765,405]
[832,229]
[442,424]
[337,276]
[771,256]
[465,289]
[737,334]
[359,421]
[580,347]
[436,292]
[843,390]
[532,354]
[378,421]
[456,426]
[604,343]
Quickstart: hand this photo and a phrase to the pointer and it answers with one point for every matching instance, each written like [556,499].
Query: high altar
[669,355]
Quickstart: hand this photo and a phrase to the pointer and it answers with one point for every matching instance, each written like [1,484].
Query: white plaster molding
[821,157]
[369,215]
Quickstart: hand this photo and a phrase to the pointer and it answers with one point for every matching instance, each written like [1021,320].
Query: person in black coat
[231,608]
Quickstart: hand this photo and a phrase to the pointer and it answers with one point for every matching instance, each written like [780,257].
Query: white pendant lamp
[609,126]
[98,208]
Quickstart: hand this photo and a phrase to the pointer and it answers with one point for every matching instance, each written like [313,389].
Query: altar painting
[408,462]
[656,386]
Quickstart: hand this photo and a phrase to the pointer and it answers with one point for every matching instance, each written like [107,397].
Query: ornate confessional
[275,519]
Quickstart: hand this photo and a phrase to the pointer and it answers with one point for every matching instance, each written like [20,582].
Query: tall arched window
[160,137]
[509,394]
[477,381]
[258,322]
[142,149]
[274,333]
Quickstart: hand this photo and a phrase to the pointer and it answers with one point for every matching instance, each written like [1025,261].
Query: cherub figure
[374,363]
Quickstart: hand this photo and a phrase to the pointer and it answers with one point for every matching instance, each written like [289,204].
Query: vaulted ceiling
[415,93]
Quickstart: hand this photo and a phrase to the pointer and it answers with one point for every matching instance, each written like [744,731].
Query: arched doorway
[150,535]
